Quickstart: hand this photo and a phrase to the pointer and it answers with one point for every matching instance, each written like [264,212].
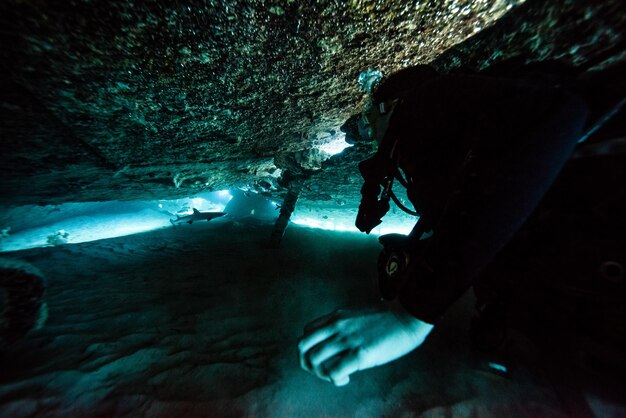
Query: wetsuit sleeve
[505,183]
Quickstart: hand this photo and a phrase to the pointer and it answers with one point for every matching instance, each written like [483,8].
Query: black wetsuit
[479,153]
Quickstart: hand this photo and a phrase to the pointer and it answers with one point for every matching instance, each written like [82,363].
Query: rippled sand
[203,320]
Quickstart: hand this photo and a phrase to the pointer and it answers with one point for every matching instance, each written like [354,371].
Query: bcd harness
[402,255]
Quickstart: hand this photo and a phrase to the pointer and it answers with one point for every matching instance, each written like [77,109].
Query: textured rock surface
[130,100]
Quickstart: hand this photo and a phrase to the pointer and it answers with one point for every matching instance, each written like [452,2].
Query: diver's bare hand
[346,341]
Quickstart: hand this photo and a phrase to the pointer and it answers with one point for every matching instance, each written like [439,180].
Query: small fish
[196,216]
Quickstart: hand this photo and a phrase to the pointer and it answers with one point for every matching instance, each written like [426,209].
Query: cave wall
[146,99]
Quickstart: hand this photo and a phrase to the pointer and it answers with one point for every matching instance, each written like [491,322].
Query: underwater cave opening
[33,226]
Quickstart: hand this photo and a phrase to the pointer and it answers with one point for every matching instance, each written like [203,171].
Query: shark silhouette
[196,216]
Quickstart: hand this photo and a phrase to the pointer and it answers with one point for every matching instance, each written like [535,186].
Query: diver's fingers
[311,340]
[321,353]
[342,366]
[320,322]
[324,320]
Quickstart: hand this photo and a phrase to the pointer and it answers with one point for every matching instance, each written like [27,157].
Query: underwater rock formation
[136,100]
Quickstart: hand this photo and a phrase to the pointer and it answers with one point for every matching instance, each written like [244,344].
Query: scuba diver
[477,152]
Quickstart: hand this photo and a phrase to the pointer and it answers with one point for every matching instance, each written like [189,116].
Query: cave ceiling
[155,100]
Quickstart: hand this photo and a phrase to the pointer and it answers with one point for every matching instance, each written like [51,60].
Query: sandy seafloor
[203,320]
